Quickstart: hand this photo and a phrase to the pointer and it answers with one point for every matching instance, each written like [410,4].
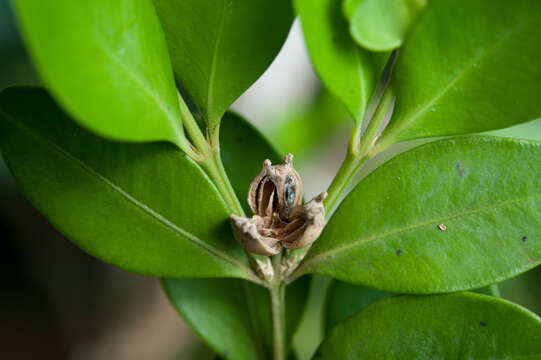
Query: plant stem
[216,171]
[209,158]
[277,300]
[359,150]
[364,135]
[193,130]
[235,204]
[207,155]
[343,177]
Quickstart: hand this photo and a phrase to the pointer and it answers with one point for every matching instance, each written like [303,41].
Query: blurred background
[56,302]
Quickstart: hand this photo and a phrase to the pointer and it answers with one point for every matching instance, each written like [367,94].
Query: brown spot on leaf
[459,168]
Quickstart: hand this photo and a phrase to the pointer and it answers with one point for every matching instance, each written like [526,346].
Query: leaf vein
[212,71]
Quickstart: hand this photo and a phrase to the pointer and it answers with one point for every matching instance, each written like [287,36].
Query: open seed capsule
[280,219]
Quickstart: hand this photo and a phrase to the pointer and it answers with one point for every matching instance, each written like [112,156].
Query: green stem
[343,177]
[359,150]
[379,121]
[234,204]
[201,145]
[277,300]
[208,156]
[364,135]
[216,171]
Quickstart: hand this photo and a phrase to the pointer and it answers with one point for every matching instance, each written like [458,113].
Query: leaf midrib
[359,242]
[213,64]
[480,54]
[125,195]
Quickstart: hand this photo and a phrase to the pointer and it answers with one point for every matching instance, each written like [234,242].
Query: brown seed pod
[276,189]
[280,219]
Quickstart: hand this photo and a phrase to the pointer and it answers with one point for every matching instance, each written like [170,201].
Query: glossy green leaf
[348,71]
[468,66]
[381,25]
[455,326]
[243,150]
[348,7]
[450,215]
[233,316]
[347,299]
[107,63]
[221,313]
[220,47]
[146,208]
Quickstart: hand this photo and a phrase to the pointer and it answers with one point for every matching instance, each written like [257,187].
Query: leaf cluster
[131,152]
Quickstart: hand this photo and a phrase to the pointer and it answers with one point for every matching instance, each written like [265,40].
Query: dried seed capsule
[280,219]
[272,183]
[247,233]
[310,219]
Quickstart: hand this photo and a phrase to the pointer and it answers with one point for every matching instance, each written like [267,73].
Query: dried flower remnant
[280,220]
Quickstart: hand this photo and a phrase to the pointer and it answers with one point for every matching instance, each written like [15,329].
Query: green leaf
[243,150]
[233,316]
[381,25]
[347,299]
[221,312]
[219,48]
[346,70]
[348,7]
[107,64]
[146,208]
[455,326]
[450,215]
[467,66]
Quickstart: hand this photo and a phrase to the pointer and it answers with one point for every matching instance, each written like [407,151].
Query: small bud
[280,219]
